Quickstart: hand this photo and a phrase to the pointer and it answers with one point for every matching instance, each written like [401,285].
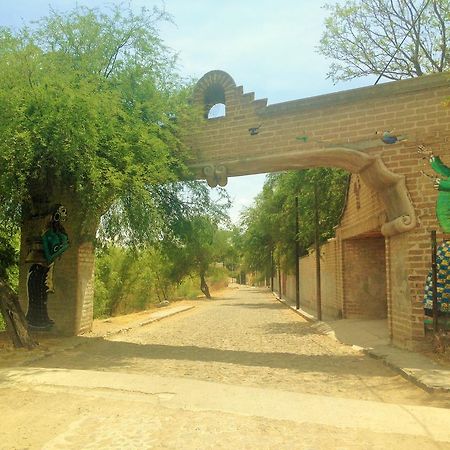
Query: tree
[9,306]
[91,106]
[395,38]
[260,232]
[199,246]
[269,225]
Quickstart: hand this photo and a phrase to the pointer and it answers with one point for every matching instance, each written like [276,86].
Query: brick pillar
[71,304]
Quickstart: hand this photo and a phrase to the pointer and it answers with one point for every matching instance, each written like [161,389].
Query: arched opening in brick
[37,314]
[214,95]
[217,110]
[353,265]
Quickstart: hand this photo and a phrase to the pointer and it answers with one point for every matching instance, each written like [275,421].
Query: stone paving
[253,342]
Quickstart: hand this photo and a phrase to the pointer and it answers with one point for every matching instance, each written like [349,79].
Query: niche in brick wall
[365,295]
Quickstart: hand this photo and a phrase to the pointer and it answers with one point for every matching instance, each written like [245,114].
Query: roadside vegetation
[268,235]
[129,279]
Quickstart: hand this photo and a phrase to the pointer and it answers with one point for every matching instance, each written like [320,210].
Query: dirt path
[240,371]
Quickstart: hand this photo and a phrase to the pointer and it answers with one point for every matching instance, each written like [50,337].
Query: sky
[267,46]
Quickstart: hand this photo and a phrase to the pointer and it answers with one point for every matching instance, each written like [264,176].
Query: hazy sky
[267,46]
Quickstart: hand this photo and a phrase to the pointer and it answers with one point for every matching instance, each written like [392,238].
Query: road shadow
[103,354]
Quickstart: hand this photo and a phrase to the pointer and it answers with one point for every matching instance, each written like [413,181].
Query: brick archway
[338,130]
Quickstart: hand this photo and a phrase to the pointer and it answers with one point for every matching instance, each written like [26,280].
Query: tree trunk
[203,286]
[16,324]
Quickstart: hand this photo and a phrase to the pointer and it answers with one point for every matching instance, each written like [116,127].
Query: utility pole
[271,270]
[317,246]
[279,277]
[297,255]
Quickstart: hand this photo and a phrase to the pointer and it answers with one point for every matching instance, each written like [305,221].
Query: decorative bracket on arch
[394,194]
[216,175]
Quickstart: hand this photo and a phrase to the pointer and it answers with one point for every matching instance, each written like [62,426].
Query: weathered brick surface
[331,304]
[331,307]
[364,272]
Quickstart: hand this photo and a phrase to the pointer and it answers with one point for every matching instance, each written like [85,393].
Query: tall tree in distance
[269,225]
[396,38]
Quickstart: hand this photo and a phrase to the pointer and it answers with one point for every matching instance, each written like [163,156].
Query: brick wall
[331,307]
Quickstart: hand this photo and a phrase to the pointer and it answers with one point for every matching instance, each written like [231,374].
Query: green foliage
[260,235]
[200,245]
[365,36]
[91,105]
[129,280]
[189,287]
[9,263]
[132,222]
[9,259]
[269,226]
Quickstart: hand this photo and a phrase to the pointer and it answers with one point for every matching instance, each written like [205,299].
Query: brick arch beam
[391,187]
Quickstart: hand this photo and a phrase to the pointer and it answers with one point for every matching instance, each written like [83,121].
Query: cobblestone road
[246,338]
[243,345]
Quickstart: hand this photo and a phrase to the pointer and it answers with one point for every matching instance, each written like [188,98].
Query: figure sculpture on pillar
[442,184]
[52,244]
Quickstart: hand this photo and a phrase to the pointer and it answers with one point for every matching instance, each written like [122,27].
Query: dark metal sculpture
[43,253]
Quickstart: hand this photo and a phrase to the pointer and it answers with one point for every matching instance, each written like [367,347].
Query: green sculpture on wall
[442,184]
[55,240]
